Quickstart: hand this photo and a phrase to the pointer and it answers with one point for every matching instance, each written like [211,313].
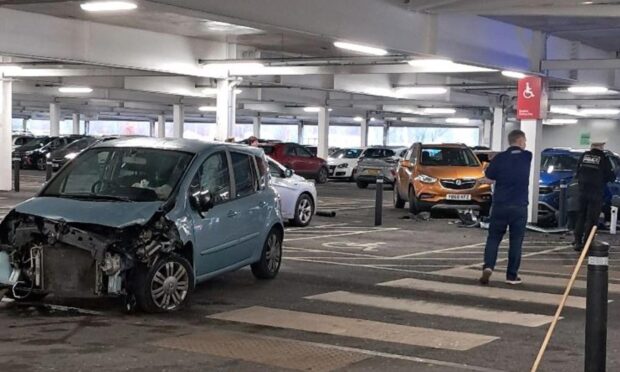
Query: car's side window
[275,171]
[303,152]
[214,176]
[246,182]
[262,171]
[290,150]
[414,155]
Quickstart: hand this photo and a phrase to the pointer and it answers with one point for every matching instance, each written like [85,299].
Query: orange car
[445,176]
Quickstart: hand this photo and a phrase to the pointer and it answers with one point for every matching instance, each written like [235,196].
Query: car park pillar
[300,132]
[25,124]
[6,104]
[533,133]
[76,123]
[178,120]
[323,145]
[225,108]
[485,133]
[386,133]
[364,132]
[161,126]
[54,119]
[499,129]
[256,123]
[152,128]
[86,126]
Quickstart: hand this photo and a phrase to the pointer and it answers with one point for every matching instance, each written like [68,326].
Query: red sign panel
[532,99]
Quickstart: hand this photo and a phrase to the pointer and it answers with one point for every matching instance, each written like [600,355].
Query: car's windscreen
[448,157]
[35,143]
[79,145]
[347,154]
[559,162]
[123,174]
[379,153]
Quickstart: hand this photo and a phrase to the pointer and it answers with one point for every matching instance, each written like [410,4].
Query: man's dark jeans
[503,217]
[590,206]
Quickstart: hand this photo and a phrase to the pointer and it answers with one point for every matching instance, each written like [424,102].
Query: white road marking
[486,292]
[337,235]
[435,308]
[537,253]
[366,247]
[357,328]
[439,250]
[312,250]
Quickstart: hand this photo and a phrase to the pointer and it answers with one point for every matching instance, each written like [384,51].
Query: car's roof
[451,145]
[174,144]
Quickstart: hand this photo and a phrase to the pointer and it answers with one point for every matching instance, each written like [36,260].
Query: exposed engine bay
[81,260]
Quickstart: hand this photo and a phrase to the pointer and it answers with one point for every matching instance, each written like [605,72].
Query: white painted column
[178,120]
[161,126]
[256,122]
[226,109]
[323,133]
[86,126]
[152,128]
[533,134]
[498,131]
[76,123]
[485,133]
[300,132]
[25,124]
[364,132]
[386,133]
[54,119]
[6,114]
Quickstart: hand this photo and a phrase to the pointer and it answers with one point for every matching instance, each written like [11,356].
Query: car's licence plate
[372,172]
[459,197]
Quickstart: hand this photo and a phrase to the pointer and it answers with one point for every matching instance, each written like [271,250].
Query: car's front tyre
[322,176]
[362,184]
[399,203]
[166,286]
[271,257]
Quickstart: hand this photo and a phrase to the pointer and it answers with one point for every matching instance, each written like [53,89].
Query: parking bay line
[356,328]
[435,308]
[486,292]
[343,234]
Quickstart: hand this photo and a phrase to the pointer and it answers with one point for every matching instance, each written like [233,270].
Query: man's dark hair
[515,135]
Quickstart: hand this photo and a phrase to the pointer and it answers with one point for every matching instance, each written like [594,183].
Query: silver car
[378,162]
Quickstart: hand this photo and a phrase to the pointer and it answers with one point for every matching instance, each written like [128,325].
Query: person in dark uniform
[510,170]
[594,171]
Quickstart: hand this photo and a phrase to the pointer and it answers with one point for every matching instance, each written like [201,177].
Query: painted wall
[569,135]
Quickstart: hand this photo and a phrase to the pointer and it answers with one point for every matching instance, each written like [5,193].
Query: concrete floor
[350,296]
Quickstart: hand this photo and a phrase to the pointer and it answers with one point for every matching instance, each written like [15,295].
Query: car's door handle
[233,214]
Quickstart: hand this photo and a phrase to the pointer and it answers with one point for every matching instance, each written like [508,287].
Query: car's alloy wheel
[304,210]
[41,164]
[322,176]
[271,258]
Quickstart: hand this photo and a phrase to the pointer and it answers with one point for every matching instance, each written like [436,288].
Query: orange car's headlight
[426,179]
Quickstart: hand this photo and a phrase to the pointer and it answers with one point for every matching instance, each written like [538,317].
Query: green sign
[584,139]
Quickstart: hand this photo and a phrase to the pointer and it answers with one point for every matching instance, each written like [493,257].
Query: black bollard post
[596,308]
[48,170]
[563,213]
[379,202]
[16,166]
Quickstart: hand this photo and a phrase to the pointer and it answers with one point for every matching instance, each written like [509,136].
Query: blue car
[559,165]
[145,219]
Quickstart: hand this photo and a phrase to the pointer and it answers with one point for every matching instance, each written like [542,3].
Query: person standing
[594,171]
[510,170]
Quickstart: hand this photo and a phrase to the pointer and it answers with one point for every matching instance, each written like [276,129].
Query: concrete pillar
[54,119]
[25,124]
[86,126]
[256,122]
[300,132]
[152,128]
[226,109]
[161,126]
[76,123]
[6,114]
[498,131]
[533,133]
[485,133]
[364,132]
[323,133]
[178,120]
[386,133]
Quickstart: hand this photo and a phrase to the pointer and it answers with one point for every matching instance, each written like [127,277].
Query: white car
[343,163]
[298,195]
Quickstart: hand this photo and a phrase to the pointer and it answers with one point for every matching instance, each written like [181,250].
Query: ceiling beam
[580,64]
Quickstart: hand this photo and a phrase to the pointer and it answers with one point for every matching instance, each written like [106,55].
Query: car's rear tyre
[271,257]
[41,164]
[399,203]
[166,286]
[321,177]
[362,185]
[413,202]
[304,210]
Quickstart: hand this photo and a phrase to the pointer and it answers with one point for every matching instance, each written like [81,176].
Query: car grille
[458,184]
[332,167]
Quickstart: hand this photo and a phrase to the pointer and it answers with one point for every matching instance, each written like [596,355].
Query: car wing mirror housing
[288,173]
[202,201]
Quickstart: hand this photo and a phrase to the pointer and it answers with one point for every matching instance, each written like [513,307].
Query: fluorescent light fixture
[560,121]
[107,6]
[457,120]
[216,26]
[312,109]
[513,74]
[9,69]
[582,89]
[358,119]
[438,111]
[330,109]
[207,108]
[372,118]
[438,65]
[564,110]
[431,62]
[599,112]
[423,90]
[360,48]
[75,90]
[213,91]
[238,91]
[240,68]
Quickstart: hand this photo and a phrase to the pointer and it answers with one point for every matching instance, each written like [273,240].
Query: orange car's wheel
[413,202]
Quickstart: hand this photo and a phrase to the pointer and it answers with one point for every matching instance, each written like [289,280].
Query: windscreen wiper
[96,197]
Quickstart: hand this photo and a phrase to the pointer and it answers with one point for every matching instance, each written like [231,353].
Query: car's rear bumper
[373,179]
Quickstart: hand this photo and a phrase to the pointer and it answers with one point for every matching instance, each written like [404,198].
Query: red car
[299,159]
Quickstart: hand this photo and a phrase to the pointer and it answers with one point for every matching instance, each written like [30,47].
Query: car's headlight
[426,179]
[343,165]
[70,156]
[48,155]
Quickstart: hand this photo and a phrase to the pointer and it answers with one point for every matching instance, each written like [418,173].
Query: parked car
[33,154]
[378,161]
[557,166]
[442,176]
[299,159]
[485,156]
[343,163]
[146,219]
[21,139]
[66,153]
[298,196]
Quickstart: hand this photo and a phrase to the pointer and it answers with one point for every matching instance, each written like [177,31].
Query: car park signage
[532,99]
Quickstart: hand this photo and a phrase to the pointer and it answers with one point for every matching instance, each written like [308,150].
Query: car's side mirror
[288,173]
[485,164]
[202,201]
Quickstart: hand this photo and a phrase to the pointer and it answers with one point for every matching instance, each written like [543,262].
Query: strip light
[107,6]
[438,111]
[360,48]
[513,74]
[81,90]
[560,121]
[423,90]
[457,120]
[580,89]
[207,108]
[599,112]
[312,109]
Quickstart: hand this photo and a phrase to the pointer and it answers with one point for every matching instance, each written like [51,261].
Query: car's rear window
[379,153]
[448,157]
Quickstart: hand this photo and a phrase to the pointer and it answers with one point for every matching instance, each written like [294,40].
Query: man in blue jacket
[510,171]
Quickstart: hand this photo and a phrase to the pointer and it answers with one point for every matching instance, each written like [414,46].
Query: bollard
[16,166]
[596,308]
[613,227]
[563,192]
[48,171]
[379,202]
